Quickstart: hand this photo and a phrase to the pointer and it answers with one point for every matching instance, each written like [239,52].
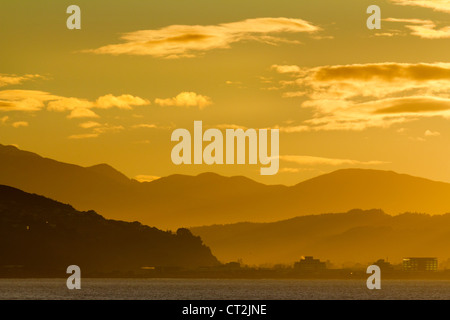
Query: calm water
[221,289]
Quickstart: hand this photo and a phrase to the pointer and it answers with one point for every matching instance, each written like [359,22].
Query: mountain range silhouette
[186,201]
[357,236]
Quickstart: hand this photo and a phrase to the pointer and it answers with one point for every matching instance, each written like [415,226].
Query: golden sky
[340,94]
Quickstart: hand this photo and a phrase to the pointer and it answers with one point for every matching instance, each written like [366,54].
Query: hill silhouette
[183,201]
[109,172]
[43,236]
[356,236]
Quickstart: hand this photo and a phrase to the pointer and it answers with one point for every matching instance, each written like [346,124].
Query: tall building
[308,263]
[420,264]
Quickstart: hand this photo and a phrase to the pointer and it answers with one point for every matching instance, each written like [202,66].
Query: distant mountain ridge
[356,236]
[184,201]
[41,236]
[109,172]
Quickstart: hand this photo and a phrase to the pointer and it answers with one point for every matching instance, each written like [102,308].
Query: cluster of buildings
[410,264]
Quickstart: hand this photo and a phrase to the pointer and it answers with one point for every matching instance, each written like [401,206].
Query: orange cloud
[310,161]
[107,128]
[415,105]
[437,5]
[19,124]
[96,130]
[82,113]
[292,128]
[186,99]
[376,80]
[286,68]
[12,79]
[24,100]
[377,113]
[89,124]
[83,136]
[225,126]
[124,101]
[429,31]
[384,72]
[32,100]
[429,133]
[425,29]
[68,104]
[177,41]
[145,125]
[359,96]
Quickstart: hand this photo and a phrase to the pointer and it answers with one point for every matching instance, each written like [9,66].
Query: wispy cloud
[429,133]
[437,5]
[425,29]
[19,124]
[107,128]
[96,129]
[89,124]
[293,94]
[82,113]
[33,100]
[177,41]
[65,104]
[153,126]
[359,96]
[290,128]
[144,125]
[286,68]
[83,136]
[125,101]
[385,34]
[230,126]
[24,100]
[12,79]
[311,161]
[186,99]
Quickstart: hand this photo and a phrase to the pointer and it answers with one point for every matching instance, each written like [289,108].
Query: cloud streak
[19,124]
[437,5]
[186,99]
[186,41]
[286,68]
[33,100]
[360,96]
[125,101]
[12,79]
[429,133]
[425,29]
[96,130]
[312,161]
[89,124]
[83,136]
[24,100]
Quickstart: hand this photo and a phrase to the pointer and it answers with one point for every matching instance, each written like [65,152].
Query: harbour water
[214,289]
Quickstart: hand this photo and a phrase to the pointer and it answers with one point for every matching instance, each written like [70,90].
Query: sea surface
[207,289]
